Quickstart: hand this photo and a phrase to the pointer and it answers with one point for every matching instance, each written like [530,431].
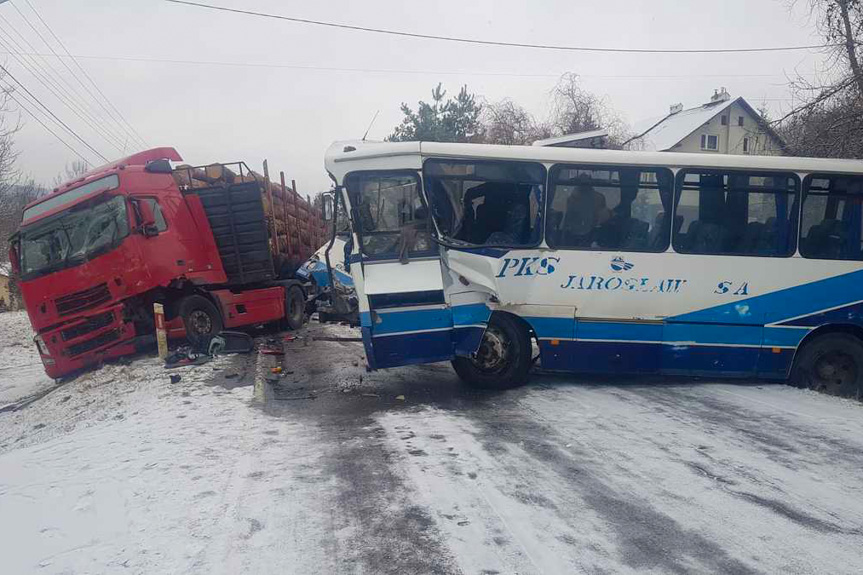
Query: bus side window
[832,225]
[736,213]
[609,208]
[492,203]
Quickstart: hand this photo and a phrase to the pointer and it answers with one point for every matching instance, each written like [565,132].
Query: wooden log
[219,173]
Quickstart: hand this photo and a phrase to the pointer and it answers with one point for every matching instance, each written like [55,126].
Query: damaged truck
[218,246]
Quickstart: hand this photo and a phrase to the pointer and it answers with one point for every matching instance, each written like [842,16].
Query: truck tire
[200,317]
[831,363]
[295,307]
[503,358]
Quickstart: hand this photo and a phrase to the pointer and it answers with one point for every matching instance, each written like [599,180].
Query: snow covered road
[121,471]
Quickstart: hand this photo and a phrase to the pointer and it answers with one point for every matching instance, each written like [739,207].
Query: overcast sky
[326,84]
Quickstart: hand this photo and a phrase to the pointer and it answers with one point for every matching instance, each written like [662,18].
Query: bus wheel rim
[492,352]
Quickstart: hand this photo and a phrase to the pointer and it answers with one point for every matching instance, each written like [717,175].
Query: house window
[724,120]
[745,145]
[709,142]
[739,120]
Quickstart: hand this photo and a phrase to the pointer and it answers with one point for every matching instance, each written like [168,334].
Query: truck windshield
[73,237]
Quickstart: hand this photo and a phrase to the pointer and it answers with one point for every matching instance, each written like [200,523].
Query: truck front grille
[94,323]
[91,344]
[86,299]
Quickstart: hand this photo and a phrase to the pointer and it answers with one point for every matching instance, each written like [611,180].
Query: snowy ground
[120,471]
[21,373]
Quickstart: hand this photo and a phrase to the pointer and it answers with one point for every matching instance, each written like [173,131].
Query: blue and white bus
[610,261]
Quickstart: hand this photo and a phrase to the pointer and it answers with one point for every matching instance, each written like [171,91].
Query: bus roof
[381,153]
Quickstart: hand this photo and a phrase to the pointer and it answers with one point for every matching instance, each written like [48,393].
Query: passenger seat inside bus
[825,240]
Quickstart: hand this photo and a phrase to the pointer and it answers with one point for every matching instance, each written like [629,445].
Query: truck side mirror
[148,218]
[328,207]
[13,258]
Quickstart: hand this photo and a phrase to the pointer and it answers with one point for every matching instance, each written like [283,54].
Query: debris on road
[175,378]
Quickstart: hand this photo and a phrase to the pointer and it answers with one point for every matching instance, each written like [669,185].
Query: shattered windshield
[486,203]
[73,237]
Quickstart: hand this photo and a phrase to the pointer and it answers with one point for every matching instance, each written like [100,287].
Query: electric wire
[500,43]
[129,128]
[42,74]
[11,93]
[52,114]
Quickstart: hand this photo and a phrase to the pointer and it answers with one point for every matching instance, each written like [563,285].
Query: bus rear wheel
[503,358]
[832,363]
[200,318]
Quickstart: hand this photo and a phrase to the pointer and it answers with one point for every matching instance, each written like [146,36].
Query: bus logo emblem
[618,264]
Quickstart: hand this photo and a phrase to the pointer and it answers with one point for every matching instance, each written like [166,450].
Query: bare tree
[72,171]
[829,121]
[575,110]
[508,123]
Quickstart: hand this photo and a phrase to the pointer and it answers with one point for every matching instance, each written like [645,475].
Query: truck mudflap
[86,341]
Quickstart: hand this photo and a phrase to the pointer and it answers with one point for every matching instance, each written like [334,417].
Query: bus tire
[201,318]
[503,358]
[295,307]
[831,363]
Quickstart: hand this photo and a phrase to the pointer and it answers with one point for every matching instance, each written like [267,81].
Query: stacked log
[296,226]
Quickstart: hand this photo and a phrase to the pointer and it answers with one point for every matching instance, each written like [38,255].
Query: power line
[500,43]
[404,71]
[52,114]
[129,129]
[11,93]
[69,89]
[66,96]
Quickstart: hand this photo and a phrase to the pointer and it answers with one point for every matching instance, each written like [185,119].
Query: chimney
[720,95]
[674,109]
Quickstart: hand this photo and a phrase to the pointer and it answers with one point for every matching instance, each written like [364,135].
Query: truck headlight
[40,343]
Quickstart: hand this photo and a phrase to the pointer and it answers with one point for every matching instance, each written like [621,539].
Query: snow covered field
[120,471]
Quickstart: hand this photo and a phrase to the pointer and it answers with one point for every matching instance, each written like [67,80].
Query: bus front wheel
[503,358]
[832,363]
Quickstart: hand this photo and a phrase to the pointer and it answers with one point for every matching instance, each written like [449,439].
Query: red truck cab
[96,253]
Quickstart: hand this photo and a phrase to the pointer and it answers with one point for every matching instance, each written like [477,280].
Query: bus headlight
[40,343]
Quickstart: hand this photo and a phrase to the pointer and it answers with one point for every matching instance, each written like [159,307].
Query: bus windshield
[73,237]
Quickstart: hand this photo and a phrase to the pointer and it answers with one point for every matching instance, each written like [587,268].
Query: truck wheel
[295,307]
[832,363]
[503,358]
[200,317]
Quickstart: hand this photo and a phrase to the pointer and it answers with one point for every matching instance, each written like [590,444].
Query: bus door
[404,316]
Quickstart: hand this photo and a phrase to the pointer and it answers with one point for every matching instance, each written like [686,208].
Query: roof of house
[567,138]
[5,269]
[671,129]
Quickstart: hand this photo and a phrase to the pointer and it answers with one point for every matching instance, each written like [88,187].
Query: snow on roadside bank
[122,471]
[21,371]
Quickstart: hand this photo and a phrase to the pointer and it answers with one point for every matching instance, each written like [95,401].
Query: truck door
[397,271]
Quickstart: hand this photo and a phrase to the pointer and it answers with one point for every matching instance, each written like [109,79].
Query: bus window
[595,208]
[486,203]
[832,225]
[736,213]
[392,219]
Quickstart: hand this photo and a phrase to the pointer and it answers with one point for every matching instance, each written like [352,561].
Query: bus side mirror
[13,258]
[328,207]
